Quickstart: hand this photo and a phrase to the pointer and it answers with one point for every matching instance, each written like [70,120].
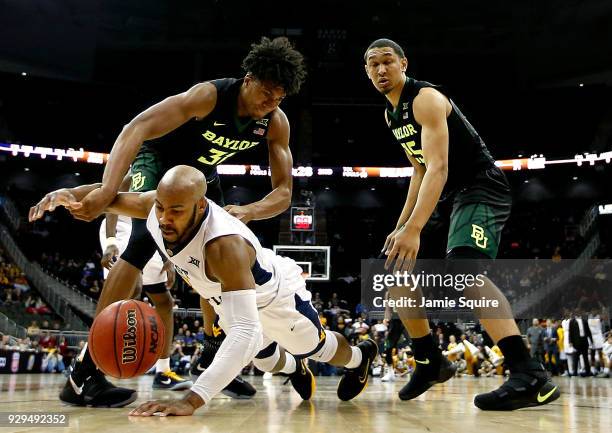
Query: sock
[290,364]
[424,347]
[607,370]
[356,357]
[162,365]
[84,361]
[514,350]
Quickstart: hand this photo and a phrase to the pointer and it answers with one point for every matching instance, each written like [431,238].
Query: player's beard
[190,228]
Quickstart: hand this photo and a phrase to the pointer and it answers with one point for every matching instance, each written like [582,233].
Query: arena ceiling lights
[535,162]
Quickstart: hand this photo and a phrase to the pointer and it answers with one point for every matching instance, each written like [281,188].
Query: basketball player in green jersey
[453,171]
[202,127]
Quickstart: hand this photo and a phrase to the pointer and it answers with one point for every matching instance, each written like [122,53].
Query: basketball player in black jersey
[202,127]
[455,174]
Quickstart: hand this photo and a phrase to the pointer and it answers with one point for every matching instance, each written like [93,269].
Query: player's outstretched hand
[92,205]
[164,408]
[241,212]
[61,197]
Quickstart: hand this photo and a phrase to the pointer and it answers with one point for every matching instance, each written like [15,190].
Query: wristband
[111,240]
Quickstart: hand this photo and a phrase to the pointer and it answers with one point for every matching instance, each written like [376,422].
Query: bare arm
[430,111]
[413,191]
[132,204]
[229,260]
[208,316]
[155,122]
[111,219]
[281,165]
[152,123]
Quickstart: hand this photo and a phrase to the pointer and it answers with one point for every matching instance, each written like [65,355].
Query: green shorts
[479,213]
[149,167]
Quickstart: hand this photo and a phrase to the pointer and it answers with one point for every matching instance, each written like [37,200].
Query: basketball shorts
[478,212]
[149,167]
[289,320]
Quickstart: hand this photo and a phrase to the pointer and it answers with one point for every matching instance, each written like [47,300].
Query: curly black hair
[277,61]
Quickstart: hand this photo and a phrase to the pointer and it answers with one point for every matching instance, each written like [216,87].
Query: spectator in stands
[380,329]
[200,335]
[607,350]
[94,289]
[33,329]
[535,340]
[360,330]
[551,348]
[53,362]
[180,335]
[47,341]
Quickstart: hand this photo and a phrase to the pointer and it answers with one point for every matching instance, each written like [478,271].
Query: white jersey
[269,270]
[596,332]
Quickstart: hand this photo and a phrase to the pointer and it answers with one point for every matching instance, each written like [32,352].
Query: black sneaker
[302,380]
[527,386]
[92,389]
[238,388]
[171,381]
[355,380]
[428,372]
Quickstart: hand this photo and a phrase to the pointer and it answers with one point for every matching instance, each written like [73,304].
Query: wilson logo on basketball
[128,354]
[154,335]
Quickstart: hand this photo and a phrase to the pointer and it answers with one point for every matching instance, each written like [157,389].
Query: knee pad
[328,350]
[141,245]
[267,358]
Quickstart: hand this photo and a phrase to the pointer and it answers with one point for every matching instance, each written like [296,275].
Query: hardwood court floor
[585,406]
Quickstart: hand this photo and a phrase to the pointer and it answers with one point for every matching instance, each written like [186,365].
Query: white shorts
[598,341]
[152,272]
[290,319]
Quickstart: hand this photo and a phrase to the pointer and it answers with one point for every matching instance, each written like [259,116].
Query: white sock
[356,358]
[162,365]
[290,364]
[82,353]
[607,370]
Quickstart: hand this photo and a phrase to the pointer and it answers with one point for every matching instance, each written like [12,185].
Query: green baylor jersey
[467,153]
[210,141]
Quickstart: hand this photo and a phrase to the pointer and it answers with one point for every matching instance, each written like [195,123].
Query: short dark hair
[379,43]
[277,61]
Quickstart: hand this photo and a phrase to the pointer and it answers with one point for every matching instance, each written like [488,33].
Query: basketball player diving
[261,298]
[202,127]
[455,174]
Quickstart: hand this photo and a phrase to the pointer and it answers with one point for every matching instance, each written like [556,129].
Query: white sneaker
[267,376]
[389,376]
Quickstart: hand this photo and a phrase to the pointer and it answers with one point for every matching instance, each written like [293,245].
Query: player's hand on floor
[164,408]
[108,258]
[404,251]
[61,197]
[241,212]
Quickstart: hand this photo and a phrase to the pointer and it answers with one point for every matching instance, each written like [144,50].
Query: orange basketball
[126,339]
